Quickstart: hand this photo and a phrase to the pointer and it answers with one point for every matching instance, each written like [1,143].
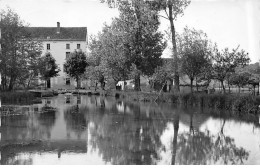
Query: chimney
[58,27]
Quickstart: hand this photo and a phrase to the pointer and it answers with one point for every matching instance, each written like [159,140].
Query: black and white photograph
[129,82]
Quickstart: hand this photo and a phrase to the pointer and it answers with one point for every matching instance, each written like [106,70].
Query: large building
[60,42]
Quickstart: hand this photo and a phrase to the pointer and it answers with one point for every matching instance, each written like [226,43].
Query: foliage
[141,40]
[253,70]
[109,53]
[194,49]
[239,79]
[226,61]
[75,65]
[48,67]
[18,60]
[172,9]
[161,75]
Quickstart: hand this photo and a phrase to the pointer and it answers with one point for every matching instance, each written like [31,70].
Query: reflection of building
[61,42]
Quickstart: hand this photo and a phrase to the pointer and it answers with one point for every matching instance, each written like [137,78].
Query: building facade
[60,42]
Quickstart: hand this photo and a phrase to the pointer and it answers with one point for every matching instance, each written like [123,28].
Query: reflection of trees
[203,148]
[75,120]
[47,121]
[127,139]
[11,159]
[27,127]
[21,130]
[176,129]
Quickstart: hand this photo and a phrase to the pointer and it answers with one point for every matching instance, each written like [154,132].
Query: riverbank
[15,97]
[236,103]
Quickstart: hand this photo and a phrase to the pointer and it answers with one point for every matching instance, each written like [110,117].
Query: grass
[235,103]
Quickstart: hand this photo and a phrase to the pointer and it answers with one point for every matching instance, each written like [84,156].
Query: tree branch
[163,17]
[166,13]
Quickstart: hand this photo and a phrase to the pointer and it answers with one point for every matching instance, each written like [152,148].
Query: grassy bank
[22,97]
[237,104]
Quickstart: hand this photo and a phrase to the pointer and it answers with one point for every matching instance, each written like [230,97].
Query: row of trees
[129,47]
[171,9]
[132,46]
[201,61]
[21,57]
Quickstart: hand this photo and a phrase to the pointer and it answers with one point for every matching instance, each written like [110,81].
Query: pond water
[98,130]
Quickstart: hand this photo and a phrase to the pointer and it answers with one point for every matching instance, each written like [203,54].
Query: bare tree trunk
[137,83]
[174,143]
[223,87]
[197,87]
[11,83]
[191,123]
[78,84]
[191,85]
[174,47]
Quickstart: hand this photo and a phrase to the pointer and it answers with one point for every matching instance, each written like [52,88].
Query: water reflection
[196,147]
[98,130]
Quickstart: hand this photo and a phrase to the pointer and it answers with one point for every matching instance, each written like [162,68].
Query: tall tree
[172,9]
[142,40]
[19,50]
[48,67]
[75,65]
[109,52]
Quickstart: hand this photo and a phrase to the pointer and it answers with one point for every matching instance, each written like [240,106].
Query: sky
[229,23]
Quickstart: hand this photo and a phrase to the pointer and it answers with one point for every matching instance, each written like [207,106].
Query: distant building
[60,42]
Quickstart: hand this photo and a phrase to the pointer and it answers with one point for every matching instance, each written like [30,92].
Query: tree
[172,9]
[142,41]
[160,77]
[97,71]
[19,50]
[254,71]
[194,50]
[226,61]
[48,67]
[75,65]
[239,79]
[107,50]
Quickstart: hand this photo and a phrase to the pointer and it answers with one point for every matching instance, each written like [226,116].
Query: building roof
[66,33]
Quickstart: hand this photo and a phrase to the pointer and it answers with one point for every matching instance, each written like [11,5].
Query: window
[78,46]
[67,55]
[67,81]
[68,100]
[67,46]
[78,100]
[48,46]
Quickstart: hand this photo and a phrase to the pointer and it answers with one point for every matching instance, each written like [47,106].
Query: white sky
[229,23]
